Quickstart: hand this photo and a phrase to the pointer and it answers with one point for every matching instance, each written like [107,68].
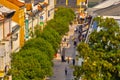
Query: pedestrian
[64,39]
[67,44]
[73,62]
[75,43]
[66,71]
[68,60]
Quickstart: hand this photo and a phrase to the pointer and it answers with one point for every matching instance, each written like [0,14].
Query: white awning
[15,27]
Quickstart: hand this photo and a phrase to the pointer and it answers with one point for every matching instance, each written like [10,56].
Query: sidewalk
[59,67]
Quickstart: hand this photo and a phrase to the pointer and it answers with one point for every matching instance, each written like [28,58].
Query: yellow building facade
[18,16]
[81,3]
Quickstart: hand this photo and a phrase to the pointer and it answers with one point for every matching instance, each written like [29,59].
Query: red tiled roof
[17,3]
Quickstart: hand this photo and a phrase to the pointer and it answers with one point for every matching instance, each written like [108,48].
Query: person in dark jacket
[73,62]
[66,71]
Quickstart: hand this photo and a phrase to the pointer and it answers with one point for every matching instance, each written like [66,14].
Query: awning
[8,13]
[15,27]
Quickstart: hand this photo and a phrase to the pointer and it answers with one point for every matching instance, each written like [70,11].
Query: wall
[1,31]
[18,17]
[51,7]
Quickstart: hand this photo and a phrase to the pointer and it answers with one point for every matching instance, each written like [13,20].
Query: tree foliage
[102,54]
[30,64]
[63,16]
[41,44]
[49,35]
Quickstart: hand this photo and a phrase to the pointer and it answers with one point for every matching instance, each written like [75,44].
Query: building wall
[18,17]
[78,1]
[6,27]
[2,58]
[51,7]
[1,31]
[16,44]
[5,50]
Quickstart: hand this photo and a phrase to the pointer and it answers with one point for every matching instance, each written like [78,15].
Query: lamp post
[80,6]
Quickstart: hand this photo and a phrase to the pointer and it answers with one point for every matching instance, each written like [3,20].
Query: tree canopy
[41,44]
[32,65]
[62,19]
[101,55]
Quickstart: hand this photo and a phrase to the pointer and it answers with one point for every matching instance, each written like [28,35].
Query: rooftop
[106,3]
[17,3]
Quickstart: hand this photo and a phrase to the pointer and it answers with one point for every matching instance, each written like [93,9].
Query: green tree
[63,17]
[50,35]
[42,45]
[101,54]
[30,64]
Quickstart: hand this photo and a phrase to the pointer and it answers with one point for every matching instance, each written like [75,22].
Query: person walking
[66,71]
[68,60]
[73,62]
[75,43]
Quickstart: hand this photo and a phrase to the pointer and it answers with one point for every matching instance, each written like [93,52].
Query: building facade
[18,17]
[5,40]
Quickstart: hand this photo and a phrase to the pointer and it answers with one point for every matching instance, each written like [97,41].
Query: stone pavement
[59,67]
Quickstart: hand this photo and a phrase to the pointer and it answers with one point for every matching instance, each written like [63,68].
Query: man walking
[66,71]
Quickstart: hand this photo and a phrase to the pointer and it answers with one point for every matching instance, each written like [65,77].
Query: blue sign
[41,17]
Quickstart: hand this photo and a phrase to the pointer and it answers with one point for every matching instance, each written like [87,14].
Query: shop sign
[26,28]
[41,17]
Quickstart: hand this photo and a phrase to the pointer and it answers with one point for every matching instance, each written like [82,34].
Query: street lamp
[80,6]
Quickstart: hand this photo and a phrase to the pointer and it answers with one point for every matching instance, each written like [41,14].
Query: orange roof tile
[17,3]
